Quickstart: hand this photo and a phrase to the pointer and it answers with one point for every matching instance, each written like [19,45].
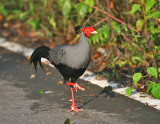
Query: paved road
[21,102]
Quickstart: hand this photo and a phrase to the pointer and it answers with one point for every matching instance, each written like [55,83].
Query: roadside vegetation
[128,33]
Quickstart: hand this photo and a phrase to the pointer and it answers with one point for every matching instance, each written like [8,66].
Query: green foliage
[129,91]
[135,8]
[3,10]
[67,121]
[152,71]
[153,86]
[83,8]
[149,4]
[136,78]
[156,90]
[102,36]
[66,7]
[150,86]
[41,91]
[139,24]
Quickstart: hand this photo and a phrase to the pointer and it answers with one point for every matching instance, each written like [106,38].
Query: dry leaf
[28,57]
[32,76]
[152,106]
[60,82]
[6,25]
[48,73]
[52,45]
[20,32]
[145,103]
[108,97]
[73,114]
[128,110]
[95,56]
[1,17]
[5,34]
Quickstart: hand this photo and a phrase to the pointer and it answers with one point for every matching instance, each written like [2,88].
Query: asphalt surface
[22,103]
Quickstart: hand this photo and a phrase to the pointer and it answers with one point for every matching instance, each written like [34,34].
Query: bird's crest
[78,29]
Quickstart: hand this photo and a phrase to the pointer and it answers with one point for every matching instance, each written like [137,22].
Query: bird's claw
[76,85]
[74,108]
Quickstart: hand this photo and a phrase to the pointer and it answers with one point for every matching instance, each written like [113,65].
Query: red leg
[76,85]
[73,107]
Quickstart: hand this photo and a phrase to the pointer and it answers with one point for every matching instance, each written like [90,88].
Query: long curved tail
[40,52]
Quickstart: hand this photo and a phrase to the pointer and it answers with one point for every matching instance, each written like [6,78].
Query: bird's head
[88,31]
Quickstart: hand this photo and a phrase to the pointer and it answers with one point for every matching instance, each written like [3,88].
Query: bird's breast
[78,59]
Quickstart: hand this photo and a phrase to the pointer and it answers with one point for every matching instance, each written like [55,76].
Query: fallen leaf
[73,114]
[46,69]
[1,17]
[5,34]
[52,45]
[28,57]
[143,90]
[152,106]
[95,56]
[128,110]
[145,103]
[99,62]
[20,32]
[60,82]
[32,76]
[48,73]
[108,97]
[31,34]
[6,25]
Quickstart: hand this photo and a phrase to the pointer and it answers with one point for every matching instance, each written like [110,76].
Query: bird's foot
[74,108]
[76,85]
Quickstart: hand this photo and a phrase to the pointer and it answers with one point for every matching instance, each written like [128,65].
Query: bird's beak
[94,32]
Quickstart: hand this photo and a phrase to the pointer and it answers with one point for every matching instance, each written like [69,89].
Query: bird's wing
[57,54]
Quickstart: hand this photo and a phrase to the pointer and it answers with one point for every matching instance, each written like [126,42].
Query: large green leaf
[81,9]
[154,14]
[156,91]
[52,23]
[135,8]
[150,86]
[149,5]
[139,24]
[136,78]
[90,2]
[128,91]
[66,6]
[152,71]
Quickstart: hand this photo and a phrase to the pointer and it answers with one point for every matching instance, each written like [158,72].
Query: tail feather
[40,52]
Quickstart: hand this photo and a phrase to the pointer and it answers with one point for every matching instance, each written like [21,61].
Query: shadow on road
[106,92]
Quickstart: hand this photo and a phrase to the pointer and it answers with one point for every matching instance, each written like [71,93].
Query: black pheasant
[70,59]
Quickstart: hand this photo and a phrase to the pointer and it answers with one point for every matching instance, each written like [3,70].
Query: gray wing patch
[57,55]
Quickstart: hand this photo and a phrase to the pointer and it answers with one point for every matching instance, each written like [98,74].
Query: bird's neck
[83,41]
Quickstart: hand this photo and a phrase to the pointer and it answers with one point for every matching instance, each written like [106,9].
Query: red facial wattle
[88,31]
